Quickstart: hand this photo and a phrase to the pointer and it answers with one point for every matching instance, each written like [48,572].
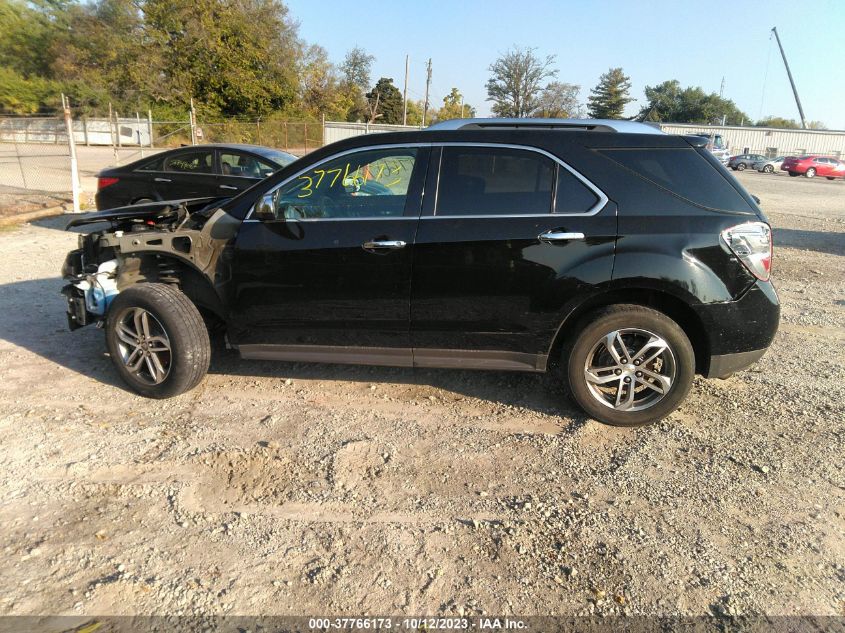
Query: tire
[637,327]
[176,354]
[810,173]
[829,177]
[768,169]
[741,167]
[794,174]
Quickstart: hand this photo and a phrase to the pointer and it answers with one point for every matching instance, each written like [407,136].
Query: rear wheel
[157,340]
[741,167]
[810,173]
[768,169]
[630,365]
[829,177]
[794,174]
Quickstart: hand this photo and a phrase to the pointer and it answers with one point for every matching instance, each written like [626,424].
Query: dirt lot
[318,489]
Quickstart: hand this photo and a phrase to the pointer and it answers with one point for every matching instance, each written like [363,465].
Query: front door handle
[163,180]
[374,245]
[229,187]
[553,236]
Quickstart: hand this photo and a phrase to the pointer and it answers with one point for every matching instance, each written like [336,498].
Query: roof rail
[592,125]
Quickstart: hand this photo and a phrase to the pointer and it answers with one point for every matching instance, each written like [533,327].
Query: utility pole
[405,94]
[74,166]
[791,81]
[722,88]
[112,134]
[193,115]
[427,85]
[462,107]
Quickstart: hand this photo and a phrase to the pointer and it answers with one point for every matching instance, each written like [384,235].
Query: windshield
[281,158]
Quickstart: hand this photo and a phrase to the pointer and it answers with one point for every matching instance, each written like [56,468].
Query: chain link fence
[295,137]
[35,152]
[35,166]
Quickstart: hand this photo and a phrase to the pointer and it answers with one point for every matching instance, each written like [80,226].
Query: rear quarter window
[684,173]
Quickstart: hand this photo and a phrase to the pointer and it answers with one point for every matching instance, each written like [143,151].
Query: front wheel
[810,173]
[630,365]
[157,340]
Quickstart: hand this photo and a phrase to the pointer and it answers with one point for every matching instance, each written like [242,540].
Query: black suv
[629,257]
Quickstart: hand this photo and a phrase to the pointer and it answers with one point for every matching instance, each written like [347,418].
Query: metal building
[769,141]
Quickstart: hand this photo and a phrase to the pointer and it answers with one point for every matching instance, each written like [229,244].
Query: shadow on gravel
[543,393]
[34,319]
[820,241]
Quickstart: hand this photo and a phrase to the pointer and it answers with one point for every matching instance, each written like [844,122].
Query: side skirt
[399,357]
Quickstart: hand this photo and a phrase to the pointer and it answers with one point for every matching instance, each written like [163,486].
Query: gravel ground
[283,488]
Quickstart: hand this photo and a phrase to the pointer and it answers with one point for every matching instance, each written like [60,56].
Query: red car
[812,166]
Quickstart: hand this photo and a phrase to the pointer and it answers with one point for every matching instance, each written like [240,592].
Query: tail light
[103,182]
[752,244]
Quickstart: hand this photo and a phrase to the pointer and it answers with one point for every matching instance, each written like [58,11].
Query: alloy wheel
[630,369]
[144,345]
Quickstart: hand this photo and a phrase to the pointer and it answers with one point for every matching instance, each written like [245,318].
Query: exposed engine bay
[176,242]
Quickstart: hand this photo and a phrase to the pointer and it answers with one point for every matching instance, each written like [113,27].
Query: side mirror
[265,208]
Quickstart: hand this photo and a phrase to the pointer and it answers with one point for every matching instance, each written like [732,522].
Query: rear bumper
[739,332]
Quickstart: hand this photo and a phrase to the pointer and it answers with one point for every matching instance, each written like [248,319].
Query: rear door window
[572,195]
[682,172]
[494,181]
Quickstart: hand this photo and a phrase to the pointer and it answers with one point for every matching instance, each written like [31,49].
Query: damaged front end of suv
[176,242]
[151,275]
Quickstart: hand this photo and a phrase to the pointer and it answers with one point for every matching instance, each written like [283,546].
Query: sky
[697,43]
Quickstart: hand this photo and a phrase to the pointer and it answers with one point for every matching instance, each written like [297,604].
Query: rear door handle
[383,244]
[163,180]
[559,236]
[228,187]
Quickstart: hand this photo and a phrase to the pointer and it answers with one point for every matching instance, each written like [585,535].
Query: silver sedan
[769,166]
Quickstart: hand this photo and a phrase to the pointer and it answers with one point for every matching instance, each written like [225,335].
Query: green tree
[355,79]
[454,107]
[609,98]
[517,81]
[415,112]
[558,100]
[235,58]
[385,103]
[27,32]
[669,102]
[322,92]
[356,68]
[779,122]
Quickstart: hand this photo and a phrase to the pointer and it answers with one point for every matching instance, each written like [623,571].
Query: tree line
[246,59]
[523,84]
[241,58]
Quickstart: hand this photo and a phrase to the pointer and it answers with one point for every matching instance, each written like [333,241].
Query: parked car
[629,258]
[717,145]
[769,165]
[744,161]
[188,172]
[812,166]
